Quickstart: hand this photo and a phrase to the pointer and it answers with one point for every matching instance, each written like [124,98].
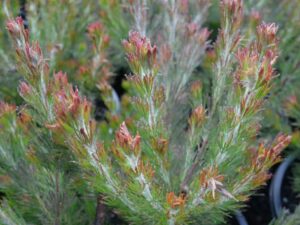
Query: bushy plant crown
[175,150]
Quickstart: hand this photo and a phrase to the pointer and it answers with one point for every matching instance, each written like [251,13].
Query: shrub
[183,151]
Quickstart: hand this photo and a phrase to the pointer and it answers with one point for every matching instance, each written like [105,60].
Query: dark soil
[257,210]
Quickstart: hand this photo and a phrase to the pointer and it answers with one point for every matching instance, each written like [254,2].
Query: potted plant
[179,151]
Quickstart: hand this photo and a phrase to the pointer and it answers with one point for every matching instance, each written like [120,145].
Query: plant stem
[100,211]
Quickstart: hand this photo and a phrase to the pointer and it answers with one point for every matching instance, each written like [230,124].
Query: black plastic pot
[277,185]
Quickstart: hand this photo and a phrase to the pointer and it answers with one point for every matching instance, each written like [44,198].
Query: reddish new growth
[256,60]
[140,53]
[58,97]
[266,33]
[255,18]
[67,102]
[6,108]
[34,54]
[291,102]
[145,169]
[24,89]
[232,9]
[67,99]
[248,59]
[126,141]
[95,27]
[96,31]
[29,54]
[265,157]
[98,69]
[20,35]
[176,201]
[127,149]
[196,89]
[281,142]
[198,116]
[16,28]
[70,107]
[210,180]
[160,145]
[201,35]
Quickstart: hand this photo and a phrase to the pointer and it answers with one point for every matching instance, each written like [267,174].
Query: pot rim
[241,219]
[276,185]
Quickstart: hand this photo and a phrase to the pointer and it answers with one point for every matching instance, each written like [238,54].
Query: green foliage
[35,186]
[283,108]
[8,74]
[288,219]
[282,113]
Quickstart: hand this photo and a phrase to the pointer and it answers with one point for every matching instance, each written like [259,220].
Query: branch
[100,211]
[194,166]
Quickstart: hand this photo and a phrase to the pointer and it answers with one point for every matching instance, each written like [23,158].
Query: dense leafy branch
[192,152]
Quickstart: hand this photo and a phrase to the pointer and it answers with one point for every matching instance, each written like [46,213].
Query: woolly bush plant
[66,43]
[176,151]
[283,108]
[280,114]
